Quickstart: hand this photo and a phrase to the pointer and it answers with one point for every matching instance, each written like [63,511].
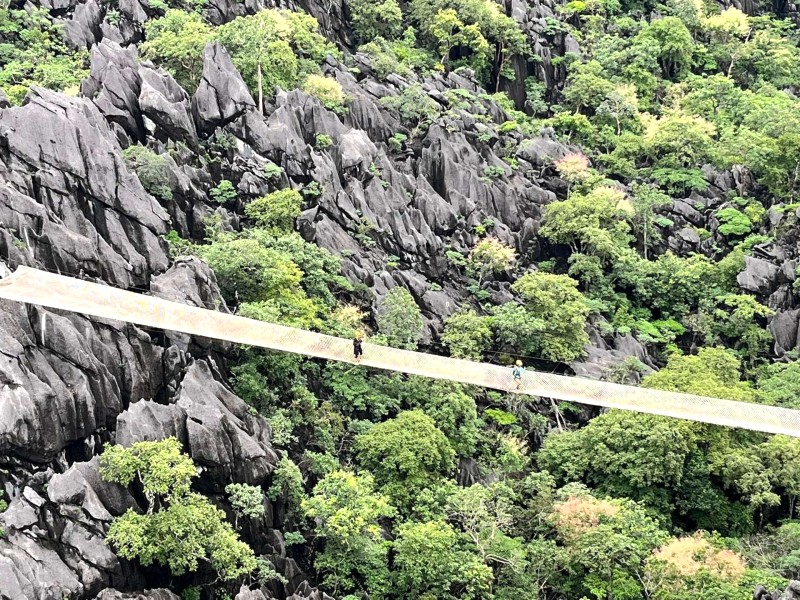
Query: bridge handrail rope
[39,287]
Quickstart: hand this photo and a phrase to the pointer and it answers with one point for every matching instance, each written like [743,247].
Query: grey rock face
[114,85]
[70,197]
[65,378]
[792,592]
[785,328]
[138,98]
[165,103]
[223,436]
[215,427]
[54,545]
[759,276]
[191,281]
[222,96]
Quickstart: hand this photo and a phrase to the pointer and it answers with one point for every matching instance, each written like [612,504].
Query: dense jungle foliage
[392,486]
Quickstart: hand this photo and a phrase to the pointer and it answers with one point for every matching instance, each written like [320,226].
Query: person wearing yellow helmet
[357,349]
[516,372]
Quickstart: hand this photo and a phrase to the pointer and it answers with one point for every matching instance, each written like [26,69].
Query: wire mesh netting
[70,294]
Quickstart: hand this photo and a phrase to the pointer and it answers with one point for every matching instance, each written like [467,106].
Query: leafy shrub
[224,192]
[151,169]
[414,105]
[327,90]
[489,256]
[177,245]
[733,222]
[3,506]
[494,172]
[272,171]
[500,417]
[276,211]
[246,500]
[191,593]
[294,538]
[323,141]
[508,127]
[313,189]
[383,58]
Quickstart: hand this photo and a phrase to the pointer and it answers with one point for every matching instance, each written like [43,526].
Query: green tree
[551,321]
[399,319]
[450,32]
[467,335]
[736,321]
[372,19]
[414,106]
[246,500]
[263,58]
[713,372]
[625,454]
[33,52]
[245,267]
[490,256]
[406,454]
[646,199]
[274,48]
[671,42]
[486,37]
[621,106]
[429,563]
[780,456]
[455,413]
[592,223]
[607,544]
[287,485]
[586,86]
[347,510]
[484,514]
[276,211]
[779,384]
[180,528]
[176,41]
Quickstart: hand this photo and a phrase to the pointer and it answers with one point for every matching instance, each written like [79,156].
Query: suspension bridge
[65,293]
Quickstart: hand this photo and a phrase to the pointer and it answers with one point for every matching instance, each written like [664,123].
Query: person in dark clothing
[357,349]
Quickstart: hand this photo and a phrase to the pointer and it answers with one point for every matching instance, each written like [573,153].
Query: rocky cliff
[68,203]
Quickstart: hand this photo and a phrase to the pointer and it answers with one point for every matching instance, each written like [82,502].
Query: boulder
[222,95]
[759,276]
[114,85]
[165,103]
[785,328]
[95,214]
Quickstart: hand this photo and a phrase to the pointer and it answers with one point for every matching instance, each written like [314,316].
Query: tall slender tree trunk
[644,237]
[260,91]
